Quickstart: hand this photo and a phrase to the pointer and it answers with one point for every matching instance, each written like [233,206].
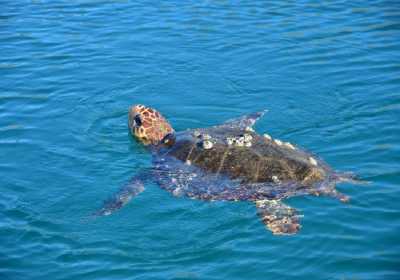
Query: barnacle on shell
[313,161]
[266,136]
[207,144]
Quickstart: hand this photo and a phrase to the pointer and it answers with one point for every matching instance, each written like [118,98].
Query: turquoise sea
[327,71]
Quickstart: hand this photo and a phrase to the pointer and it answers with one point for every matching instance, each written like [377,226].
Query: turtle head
[148,125]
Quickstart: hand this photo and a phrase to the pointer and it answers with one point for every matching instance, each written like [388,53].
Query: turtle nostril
[138,121]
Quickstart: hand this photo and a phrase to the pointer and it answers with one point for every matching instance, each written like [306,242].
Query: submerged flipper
[278,217]
[134,187]
[349,177]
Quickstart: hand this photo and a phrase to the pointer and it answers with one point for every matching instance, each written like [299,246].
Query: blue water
[329,73]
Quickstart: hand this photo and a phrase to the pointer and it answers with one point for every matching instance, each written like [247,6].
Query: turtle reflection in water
[228,162]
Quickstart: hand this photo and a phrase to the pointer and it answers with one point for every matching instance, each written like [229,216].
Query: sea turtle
[228,162]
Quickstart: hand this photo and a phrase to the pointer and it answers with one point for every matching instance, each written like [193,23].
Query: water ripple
[327,72]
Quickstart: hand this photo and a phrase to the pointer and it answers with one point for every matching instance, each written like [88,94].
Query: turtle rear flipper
[243,122]
[349,177]
[328,186]
[278,217]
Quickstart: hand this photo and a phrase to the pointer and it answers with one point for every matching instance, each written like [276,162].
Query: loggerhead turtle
[228,162]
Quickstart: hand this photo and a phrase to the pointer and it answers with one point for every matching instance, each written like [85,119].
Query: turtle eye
[138,121]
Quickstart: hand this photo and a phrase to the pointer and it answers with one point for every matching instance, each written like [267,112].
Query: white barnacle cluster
[290,146]
[196,134]
[230,141]
[247,137]
[206,137]
[244,140]
[267,137]
[313,161]
[206,140]
[207,144]
[275,179]
[279,142]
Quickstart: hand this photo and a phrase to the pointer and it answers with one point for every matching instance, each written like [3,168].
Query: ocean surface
[328,72]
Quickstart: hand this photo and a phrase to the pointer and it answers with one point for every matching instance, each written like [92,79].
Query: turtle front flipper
[278,217]
[131,189]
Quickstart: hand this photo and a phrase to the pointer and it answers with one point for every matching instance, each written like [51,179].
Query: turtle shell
[205,161]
